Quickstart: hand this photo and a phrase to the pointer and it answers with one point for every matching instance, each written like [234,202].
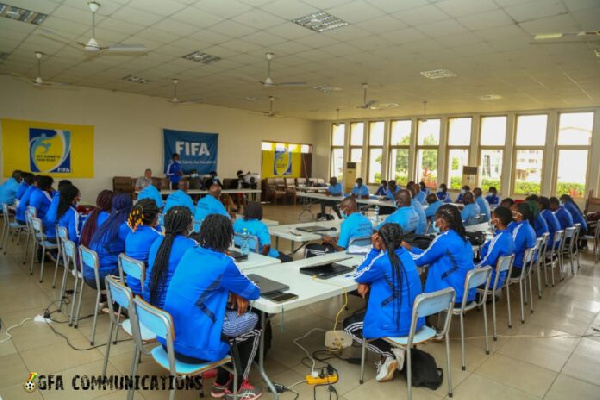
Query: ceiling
[487,43]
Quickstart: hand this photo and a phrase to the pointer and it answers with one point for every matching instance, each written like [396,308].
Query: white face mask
[463,191]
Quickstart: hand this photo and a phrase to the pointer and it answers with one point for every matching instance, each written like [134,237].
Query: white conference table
[256,260]
[291,232]
[204,191]
[311,188]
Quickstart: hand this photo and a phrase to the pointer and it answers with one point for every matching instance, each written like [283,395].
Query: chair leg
[485,329]
[495,334]
[530,290]
[539,279]
[545,265]
[73,303]
[462,341]
[363,353]
[508,305]
[63,286]
[118,318]
[552,267]
[58,256]
[522,300]
[95,316]
[108,342]
[134,365]
[408,368]
[32,256]
[81,284]
[42,265]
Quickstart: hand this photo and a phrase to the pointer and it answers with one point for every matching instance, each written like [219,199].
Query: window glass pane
[427,167]
[493,131]
[576,128]
[357,130]
[376,133]
[337,163]
[571,173]
[459,131]
[528,171]
[491,168]
[531,130]
[375,165]
[356,155]
[456,160]
[399,166]
[428,132]
[401,133]
[337,134]
[267,146]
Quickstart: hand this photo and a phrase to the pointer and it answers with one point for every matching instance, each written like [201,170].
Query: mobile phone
[279,297]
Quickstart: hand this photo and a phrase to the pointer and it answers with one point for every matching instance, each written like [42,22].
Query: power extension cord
[336,340]
[324,380]
[40,318]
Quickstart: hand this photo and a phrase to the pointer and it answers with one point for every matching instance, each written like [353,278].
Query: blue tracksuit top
[459,197]
[406,217]
[422,222]
[256,228]
[22,189]
[173,170]
[501,244]
[564,218]
[360,191]
[8,192]
[197,298]
[524,238]
[335,189]
[391,194]
[72,222]
[578,218]
[381,191]
[540,226]
[181,244]
[444,196]
[421,197]
[355,226]
[492,199]
[553,225]
[450,258]
[108,254]
[389,312]
[484,208]
[432,208]
[470,214]
[209,205]
[179,198]
[41,201]
[150,192]
[24,203]
[50,218]
[137,245]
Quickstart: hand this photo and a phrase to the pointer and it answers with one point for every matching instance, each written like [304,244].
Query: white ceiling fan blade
[559,35]
[369,103]
[291,84]
[126,48]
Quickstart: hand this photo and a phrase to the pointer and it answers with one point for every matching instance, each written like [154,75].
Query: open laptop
[267,285]
[314,228]
[327,269]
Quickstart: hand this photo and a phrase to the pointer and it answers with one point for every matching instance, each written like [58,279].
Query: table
[285,232]
[256,260]
[311,188]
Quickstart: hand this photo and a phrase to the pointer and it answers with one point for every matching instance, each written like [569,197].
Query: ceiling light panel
[21,14]
[438,73]
[320,22]
[201,57]
[489,97]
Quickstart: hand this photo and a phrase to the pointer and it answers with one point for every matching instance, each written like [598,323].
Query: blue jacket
[501,244]
[432,209]
[179,198]
[72,222]
[355,226]
[470,214]
[389,310]
[484,208]
[459,197]
[450,258]
[539,225]
[492,199]
[564,218]
[173,170]
[406,217]
[552,223]
[137,246]
[360,191]
[24,203]
[578,218]
[197,298]
[337,189]
[422,223]
[524,237]
[50,218]
[108,254]
[180,246]
[381,191]
[444,196]
[41,201]
[8,192]
[390,194]
[22,189]
[256,228]
[209,205]
[420,197]
[150,192]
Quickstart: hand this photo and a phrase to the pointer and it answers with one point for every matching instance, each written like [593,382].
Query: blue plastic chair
[504,263]
[131,267]
[160,323]
[10,228]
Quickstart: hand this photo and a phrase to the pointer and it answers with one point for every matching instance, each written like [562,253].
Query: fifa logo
[30,386]
[49,151]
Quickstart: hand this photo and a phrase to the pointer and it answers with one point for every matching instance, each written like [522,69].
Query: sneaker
[385,370]
[219,391]
[399,354]
[246,392]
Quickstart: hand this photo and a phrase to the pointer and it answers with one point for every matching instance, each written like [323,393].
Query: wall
[128,128]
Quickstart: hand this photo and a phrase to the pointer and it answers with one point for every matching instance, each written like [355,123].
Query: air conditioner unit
[351,172]
[470,176]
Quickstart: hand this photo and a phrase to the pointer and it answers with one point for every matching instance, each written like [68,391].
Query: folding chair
[553,260]
[10,228]
[61,233]
[475,279]
[522,280]
[541,257]
[238,239]
[30,212]
[70,260]
[504,264]
[39,240]
[575,247]
[129,266]
[72,251]
[567,246]
[160,323]
[89,258]
[425,304]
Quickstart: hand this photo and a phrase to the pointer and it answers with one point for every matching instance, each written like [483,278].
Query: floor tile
[479,387]
[568,388]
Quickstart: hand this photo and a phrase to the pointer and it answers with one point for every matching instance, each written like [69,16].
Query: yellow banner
[59,150]
[280,164]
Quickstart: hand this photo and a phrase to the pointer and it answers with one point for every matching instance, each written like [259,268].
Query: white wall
[128,128]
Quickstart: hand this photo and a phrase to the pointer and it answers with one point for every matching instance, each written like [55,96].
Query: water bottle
[245,245]
[376,215]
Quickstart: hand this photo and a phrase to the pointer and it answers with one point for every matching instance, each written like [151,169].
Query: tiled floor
[552,356]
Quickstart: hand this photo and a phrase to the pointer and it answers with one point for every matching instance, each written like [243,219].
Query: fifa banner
[281,163]
[59,150]
[197,150]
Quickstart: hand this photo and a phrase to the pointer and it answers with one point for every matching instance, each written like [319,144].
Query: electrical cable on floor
[303,349]
[8,335]
[78,349]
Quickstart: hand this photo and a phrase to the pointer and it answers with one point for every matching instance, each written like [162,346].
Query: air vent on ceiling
[135,79]
[438,73]
[201,57]
[488,97]
[320,22]
[21,14]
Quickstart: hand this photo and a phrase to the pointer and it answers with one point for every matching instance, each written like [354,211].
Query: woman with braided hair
[66,213]
[391,278]
[450,255]
[97,217]
[142,220]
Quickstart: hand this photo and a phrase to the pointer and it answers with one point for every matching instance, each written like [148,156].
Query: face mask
[492,224]
[435,229]
[463,191]
[440,189]
[344,215]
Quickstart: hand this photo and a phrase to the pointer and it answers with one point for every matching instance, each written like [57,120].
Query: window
[376,133]
[357,132]
[459,139]
[337,150]
[493,140]
[574,145]
[529,153]
[399,151]
[428,140]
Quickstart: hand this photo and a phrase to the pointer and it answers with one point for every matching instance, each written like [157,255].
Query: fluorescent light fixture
[542,36]
[320,22]
[488,97]
[135,79]
[21,14]
[201,57]
[438,73]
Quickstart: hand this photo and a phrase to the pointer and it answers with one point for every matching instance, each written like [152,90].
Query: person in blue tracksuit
[42,197]
[450,255]
[165,254]
[180,198]
[578,217]
[463,190]
[392,190]
[359,190]
[210,204]
[418,207]
[405,214]
[97,217]
[470,212]
[354,225]
[539,223]
[523,235]
[500,245]
[197,298]
[50,219]
[484,207]
[382,189]
[66,213]
[422,193]
[562,214]
[391,278]
[10,188]
[142,220]
[443,194]
[433,205]
[24,202]
[550,218]
[174,172]
[334,190]
[151,192]
[25,183]
[492,198]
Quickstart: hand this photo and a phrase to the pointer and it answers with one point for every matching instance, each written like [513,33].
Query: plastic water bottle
[245,245]
[376,215]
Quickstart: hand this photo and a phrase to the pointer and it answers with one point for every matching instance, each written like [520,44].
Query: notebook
[267,285]
[326,270]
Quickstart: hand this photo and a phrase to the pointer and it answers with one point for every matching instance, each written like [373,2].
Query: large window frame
[450,147]
[393,148]
[428,147]
[353,146]
[336,147]
[498,147]
[517,148]
[375,147]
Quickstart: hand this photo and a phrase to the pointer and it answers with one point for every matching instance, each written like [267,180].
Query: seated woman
[550,218]
[24,201]
[501,244]
[197,297]
[463,190]
[492,197]
[142,220]
[66,213]
[578,216]
[450,255]
[166,252]
[40,199]
[522,233]
[470,213]
[392,278]
[443,194]
[539,223]
[97,217]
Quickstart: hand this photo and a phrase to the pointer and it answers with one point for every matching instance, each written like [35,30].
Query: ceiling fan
[560,35]
[38,81]
[366,105]
[271,113]
[268,82]
[176,100]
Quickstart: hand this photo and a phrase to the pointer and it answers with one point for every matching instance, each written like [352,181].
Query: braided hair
[216,233]
[452,216]
[177,221]
[143,213]
[392,235]
[107,234]
[67,195]
[103,203]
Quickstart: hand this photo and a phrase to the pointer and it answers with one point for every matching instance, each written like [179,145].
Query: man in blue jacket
[174,171]
[25,183]
[210,204]
[405,215]
[359,190]
[550,218]
[433,204]
[152,192]
[180,198]
[334,190]
[418,207]
[9,189]
[484,207]
[562,214]
[470,212]
[355,225]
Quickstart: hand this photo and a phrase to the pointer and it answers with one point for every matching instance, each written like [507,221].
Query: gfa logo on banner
[283,163]
[49,150]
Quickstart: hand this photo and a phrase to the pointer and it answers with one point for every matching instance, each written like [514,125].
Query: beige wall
[128,128]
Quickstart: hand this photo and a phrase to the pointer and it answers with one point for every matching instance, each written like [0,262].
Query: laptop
[237,255]
[314,228]
[327,269]
[267,285]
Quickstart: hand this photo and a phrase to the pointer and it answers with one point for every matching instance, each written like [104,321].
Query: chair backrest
[68,248]
[476,278]
[558,236]
[89,258]
[197,224]
[61,232]
[238,239]
[529,256]
[37,226]
[158,322]
[504,263]
[31,210]
[301,181]
[131,267]
[117,291]
[363,241]
[432,303]
[5,213]
[544,245]
[569,232]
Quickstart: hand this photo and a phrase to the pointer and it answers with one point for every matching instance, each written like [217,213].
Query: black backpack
[419,241]
[425,372]
[476,238]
